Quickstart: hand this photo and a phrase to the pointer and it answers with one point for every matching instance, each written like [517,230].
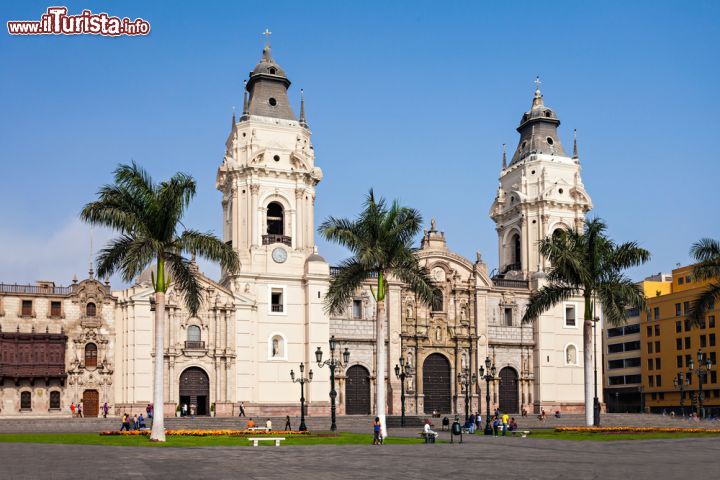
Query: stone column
[300,219]
[255,230]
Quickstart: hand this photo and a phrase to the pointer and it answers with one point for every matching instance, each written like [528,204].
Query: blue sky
[413,98]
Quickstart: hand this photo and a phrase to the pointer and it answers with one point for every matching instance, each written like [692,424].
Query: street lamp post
[617,402]
[680,381]
[490,368]
[466,381]
[302,380]
[332,364]
[704,366]
[402,371]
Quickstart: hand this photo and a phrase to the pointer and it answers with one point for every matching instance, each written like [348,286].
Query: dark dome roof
[267,65]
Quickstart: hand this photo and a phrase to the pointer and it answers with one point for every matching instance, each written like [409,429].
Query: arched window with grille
[194,337]
[25,400]
[55,400]
[90,355]
[90,309]
[275,219]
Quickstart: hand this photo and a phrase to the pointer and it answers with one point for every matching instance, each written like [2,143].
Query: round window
[533,172]
[276,158]
[561,191]
[272,102]
[549,140]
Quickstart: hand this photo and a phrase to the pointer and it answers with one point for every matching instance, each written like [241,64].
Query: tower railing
[269,239]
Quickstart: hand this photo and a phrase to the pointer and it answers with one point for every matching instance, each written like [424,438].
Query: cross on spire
[267,34]
[537,82]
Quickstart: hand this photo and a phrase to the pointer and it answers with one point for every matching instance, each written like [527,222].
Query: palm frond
[344,285]
[185,280]
[129,254]
[704,303]
[546,297]
[616,295]
[706,252]
[207,245]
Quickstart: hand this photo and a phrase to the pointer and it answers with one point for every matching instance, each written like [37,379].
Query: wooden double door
[91,403]
[195,390]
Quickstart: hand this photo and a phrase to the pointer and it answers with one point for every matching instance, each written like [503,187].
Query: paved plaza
[482,457]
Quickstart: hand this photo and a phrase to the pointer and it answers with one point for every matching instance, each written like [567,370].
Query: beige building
[257,325]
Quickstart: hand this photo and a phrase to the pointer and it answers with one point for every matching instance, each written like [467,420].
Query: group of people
[268,424]
[185,409]
[136,422]
[76,409]
[508,424]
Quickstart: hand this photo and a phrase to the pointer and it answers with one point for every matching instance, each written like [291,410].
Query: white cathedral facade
[257,325]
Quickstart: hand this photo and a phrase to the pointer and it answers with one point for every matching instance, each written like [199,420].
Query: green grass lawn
[607,437]
[177,441]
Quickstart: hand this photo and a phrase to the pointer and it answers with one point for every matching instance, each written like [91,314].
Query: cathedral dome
[267,65]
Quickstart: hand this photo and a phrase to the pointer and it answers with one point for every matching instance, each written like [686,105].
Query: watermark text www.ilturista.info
[56,21]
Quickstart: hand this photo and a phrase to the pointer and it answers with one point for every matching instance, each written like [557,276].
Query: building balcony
[272,238]
[194,345]
[276,308]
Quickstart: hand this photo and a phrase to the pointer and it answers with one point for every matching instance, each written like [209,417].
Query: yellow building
[670,348]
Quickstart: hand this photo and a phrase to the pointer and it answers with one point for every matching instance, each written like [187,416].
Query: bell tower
[267,179]
[540,191]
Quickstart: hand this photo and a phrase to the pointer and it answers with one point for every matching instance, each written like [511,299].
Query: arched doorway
[91,403]
[509,391]
[436,383]
[357,391]
[195,390]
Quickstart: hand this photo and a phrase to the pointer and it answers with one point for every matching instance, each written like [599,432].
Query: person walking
[495,425]
[149,411]
[72,408]
[105,409]
[242,410]
[79,410]
[141,422]
[505,421]
[136,425]
[125,422]
[288,427]
[184,410]
[377,435]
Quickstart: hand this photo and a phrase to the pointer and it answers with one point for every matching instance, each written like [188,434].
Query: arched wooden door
[436,384]
[195,390]
[357,391]
[91,403]
[509,391]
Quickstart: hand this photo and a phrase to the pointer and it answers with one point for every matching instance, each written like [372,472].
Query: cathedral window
[272,71]
[55,400]
[549,140]
[25,401]
[516,246]
[55,309]
[277,299]
[508,317]
[276,158]
[194,337]
[26,308]
[90,310]
[357,309]
[275,219]
[437,305]
[272,102]
[570,320]
[90,355]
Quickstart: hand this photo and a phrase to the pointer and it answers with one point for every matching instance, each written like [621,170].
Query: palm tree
[380,240]
[589,264]
[707,254]
[147,216]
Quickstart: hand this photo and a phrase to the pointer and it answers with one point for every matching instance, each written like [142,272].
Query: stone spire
[504,158]
[233,120]
[303,122]
[575,150]
[246,110]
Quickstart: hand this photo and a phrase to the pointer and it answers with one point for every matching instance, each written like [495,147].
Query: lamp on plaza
[466,380]
[680,382]
[332,364]
[402,371]
[490,368]
[302,380]
[704,366]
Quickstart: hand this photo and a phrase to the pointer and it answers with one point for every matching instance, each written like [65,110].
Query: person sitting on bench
[427,431]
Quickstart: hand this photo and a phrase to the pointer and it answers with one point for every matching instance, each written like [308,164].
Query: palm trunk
[380,395]
[588,361]
[158,424]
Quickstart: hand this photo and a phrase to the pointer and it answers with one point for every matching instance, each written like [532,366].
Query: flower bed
[207,433]
[636,430]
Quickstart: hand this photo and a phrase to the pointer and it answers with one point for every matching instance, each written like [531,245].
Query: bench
[277,440]
[428,437]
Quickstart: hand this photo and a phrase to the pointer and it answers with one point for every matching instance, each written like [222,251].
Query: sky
[413,99]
